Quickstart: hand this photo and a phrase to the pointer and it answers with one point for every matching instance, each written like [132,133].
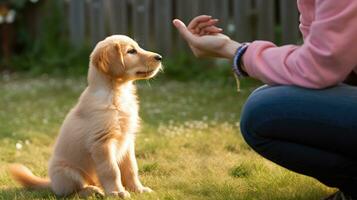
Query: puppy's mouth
[145,73]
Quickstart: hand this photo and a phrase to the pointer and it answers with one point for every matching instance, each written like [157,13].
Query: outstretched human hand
[205,39]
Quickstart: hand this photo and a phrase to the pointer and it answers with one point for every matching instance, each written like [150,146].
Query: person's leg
[312,132]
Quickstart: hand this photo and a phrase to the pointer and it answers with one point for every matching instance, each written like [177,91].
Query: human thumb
[181,27]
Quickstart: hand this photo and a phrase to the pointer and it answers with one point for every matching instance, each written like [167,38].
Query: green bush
[51,52]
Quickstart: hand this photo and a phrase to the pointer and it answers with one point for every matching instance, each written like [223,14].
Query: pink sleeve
[307,10]
[328,55]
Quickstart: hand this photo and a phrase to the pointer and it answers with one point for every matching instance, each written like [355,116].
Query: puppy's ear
[109,59]
[100,59]
[119,50]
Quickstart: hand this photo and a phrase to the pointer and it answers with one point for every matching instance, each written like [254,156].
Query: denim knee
[257,111]
[251,109]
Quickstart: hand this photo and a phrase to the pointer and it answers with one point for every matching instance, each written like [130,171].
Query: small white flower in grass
[33,1]
[6,76]
[10,17]
[156,111]
[18,146]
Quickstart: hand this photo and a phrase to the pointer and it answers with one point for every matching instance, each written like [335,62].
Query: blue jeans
[312,132]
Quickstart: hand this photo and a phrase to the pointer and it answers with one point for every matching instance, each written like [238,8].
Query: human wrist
[230,49]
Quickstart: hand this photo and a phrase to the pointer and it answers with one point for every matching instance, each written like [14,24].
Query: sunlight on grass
[189,146]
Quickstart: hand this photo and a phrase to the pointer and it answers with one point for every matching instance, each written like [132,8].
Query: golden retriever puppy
[95,147]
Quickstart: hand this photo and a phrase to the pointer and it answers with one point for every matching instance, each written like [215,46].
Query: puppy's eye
[132,51]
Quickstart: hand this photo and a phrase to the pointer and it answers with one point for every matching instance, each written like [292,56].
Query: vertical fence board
[242,20]
[97,21]
[76,22]
[163,27]
[118,16]
[141,21]
[222,12]
[185,10]
[289,17]
[266,19]
[207,7]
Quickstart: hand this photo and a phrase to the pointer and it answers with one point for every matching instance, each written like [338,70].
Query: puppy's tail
[27,179]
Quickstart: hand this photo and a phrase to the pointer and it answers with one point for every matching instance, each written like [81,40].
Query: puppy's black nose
[158,57]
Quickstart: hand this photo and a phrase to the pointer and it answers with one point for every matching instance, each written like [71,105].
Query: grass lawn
[189,146]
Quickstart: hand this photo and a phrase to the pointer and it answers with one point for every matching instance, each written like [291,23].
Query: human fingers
[199,19]
[211,22]
[210,30]
[203,25]
[185,33]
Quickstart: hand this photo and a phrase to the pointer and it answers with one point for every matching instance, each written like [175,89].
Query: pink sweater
[328,55]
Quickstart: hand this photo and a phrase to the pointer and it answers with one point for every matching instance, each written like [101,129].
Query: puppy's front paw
[122,194]
[142,189]
[146,189]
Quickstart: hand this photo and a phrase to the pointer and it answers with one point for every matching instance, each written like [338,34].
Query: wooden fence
[149,21]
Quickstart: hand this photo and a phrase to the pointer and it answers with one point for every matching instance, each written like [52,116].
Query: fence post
[266,19]
[289,17]
[97,21]
[118,19]
[163,26]
[242,13]
[141,21]
[76,22]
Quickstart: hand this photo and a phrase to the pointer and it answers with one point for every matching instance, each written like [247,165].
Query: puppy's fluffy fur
[95,147]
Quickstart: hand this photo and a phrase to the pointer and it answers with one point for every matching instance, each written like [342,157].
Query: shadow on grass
[23,193]
[225,191]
